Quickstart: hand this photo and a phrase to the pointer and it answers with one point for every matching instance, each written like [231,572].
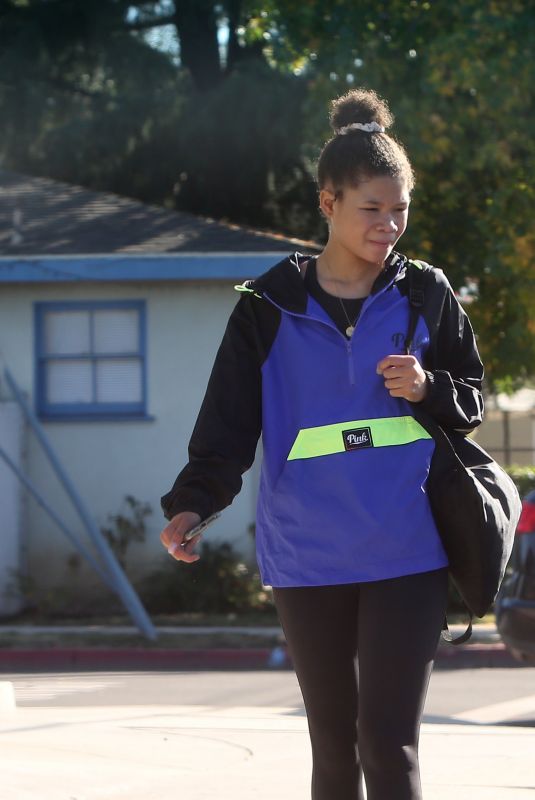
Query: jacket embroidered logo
[357,438]
[328,439]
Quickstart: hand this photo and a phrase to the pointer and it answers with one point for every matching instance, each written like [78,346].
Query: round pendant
[349,330]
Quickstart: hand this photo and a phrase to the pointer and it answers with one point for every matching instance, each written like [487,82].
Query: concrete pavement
[203,752]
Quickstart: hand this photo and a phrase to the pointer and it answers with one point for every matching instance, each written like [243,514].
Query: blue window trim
[88,411]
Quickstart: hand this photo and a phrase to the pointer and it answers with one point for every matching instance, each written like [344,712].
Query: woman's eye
[396,210]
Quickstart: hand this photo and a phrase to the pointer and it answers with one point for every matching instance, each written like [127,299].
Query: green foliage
[523,477]
[63,600]
[126,527]
[219,583]
[459,78]
[241,152]
[90,114]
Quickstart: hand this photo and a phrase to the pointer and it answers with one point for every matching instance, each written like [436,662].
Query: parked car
[515,604]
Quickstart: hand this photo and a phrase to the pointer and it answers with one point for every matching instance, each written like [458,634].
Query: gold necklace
[350,326]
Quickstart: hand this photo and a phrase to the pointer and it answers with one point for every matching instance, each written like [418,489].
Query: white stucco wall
[108,460]
[11,519]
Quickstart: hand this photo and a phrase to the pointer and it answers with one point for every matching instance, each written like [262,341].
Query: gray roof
[39,216]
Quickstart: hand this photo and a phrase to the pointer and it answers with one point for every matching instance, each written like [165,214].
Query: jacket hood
[284,285]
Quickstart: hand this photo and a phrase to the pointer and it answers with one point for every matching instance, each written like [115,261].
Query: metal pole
[59,522]
[121,583]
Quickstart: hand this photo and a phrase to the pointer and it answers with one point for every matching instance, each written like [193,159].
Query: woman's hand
[404,377]
[172,536]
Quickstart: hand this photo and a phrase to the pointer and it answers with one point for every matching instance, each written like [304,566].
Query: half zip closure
[352,378]
[348,342]
[332,326]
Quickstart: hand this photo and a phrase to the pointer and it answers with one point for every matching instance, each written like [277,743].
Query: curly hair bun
[359,105]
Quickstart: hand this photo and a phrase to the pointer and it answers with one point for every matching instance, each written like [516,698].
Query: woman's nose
[388,224]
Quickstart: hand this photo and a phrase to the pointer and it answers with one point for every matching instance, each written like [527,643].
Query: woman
[314,358]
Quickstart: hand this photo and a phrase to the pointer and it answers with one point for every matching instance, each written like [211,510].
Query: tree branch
[57,84]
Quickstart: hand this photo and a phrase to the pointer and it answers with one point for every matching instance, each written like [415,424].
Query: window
[90,359]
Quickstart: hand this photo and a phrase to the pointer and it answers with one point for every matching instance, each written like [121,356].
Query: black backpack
[475,503]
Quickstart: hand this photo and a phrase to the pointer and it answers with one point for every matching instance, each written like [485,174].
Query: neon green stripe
[417,263]
[327,439]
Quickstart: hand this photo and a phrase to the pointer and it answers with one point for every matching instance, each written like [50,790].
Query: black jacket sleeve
[453,366]
[223,443]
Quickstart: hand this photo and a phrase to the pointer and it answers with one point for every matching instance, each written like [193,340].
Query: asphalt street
[451,692]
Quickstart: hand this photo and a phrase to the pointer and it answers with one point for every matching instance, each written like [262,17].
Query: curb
[474,656]
[135,658]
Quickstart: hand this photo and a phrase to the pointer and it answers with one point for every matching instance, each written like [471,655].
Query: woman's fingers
[396,362]
[403,376]
[172,537]
[184,552]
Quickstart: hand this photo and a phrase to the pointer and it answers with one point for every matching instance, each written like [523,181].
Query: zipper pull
[351,365]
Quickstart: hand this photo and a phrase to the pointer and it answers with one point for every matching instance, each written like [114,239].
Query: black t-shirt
[332,304]
[353,306]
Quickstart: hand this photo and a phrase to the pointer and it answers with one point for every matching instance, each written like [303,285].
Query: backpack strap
[415,274]
[416,278]
[447,636]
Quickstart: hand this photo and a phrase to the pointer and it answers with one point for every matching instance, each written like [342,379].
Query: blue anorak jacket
[342,495]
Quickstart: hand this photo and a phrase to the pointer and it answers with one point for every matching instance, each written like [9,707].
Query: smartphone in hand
[201,526]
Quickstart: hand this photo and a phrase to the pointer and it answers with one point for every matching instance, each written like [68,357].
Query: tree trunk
[196,26]
[233,9]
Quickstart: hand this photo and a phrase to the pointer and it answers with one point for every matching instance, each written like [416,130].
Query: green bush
[524,478]
[219,583]
[126,527]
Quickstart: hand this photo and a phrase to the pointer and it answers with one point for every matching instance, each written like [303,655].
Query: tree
[65,71]
[93,103]
[459,78]
[481,154]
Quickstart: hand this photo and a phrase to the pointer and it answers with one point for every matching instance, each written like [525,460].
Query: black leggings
[363,655]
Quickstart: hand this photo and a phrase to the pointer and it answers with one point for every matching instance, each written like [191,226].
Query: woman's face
[368,220]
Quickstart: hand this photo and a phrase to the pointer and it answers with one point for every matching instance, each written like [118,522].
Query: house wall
[11,556]
[108,460]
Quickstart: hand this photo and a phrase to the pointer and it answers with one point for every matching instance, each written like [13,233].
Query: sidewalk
[198,753]
[33,648]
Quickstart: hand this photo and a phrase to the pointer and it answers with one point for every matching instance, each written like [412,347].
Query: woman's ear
[327,200]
